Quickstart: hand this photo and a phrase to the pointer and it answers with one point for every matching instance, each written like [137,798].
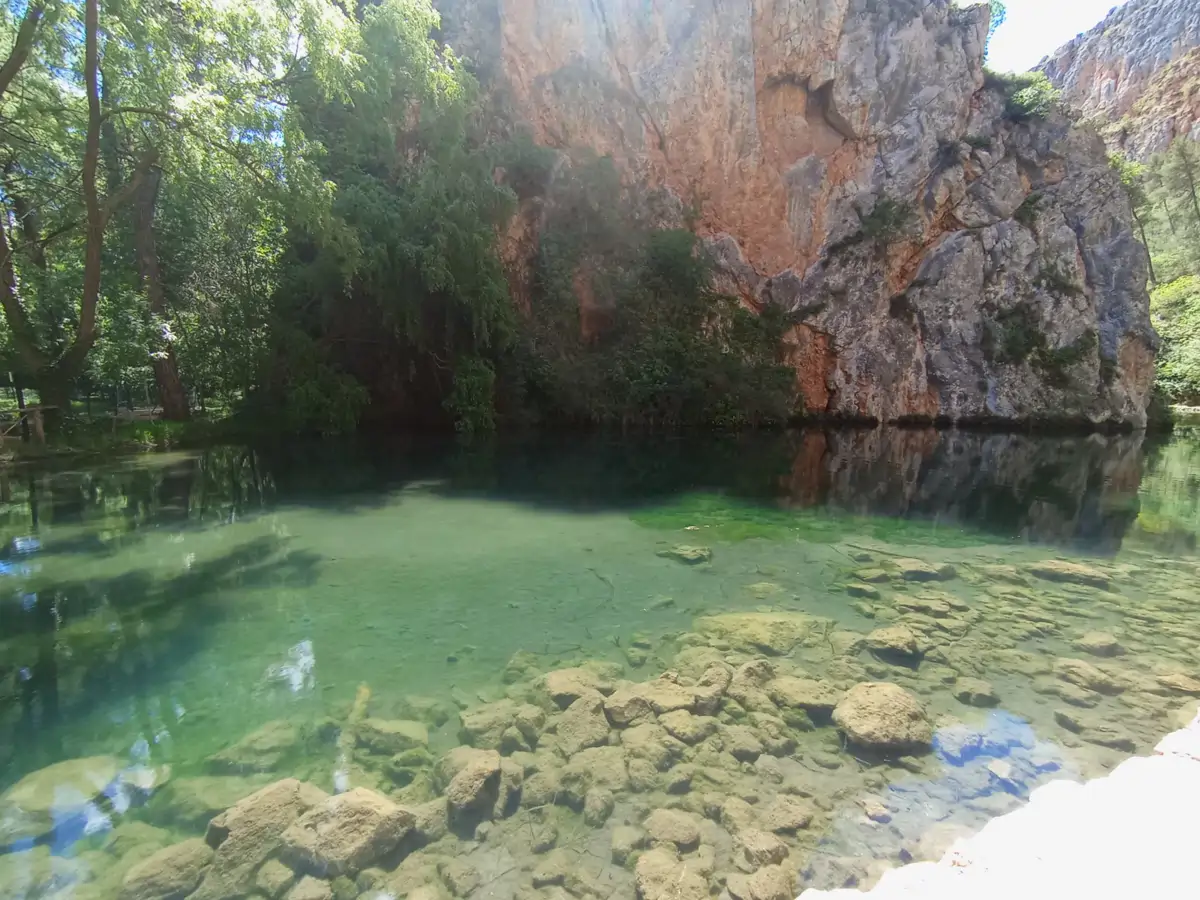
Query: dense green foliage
[1175,307]
[624,326]
[1016,335]
[1027,95]
[295,209]
[1164,196]
[888,220]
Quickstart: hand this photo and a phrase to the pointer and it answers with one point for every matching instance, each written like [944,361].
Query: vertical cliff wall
[1136,70]
[941,259]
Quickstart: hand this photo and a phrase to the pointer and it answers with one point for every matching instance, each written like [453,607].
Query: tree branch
[23,43]
[24,337]
[185,125]
[122,195]
[73,358]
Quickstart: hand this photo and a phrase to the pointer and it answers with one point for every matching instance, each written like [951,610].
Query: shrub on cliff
[625,327]
[1027,95]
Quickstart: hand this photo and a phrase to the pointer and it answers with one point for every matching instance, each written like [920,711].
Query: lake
[182,630]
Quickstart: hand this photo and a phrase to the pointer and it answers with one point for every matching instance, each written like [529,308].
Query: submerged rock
[583,724]
[862,590]
[565,686]
[390,736]
[710,688]
[687,727]
[1071,693]
[249,832]
[788,691]
[1064,571]
[631,703]
[1085,675]
[1183,684]
[598,804]
[273,879]
[344,834]
[919,570]
[872,575]
[894,641]
[40,801]
[882,716]
[625,840]
[761,848]
[504,725]
[673,826]
[742,742]
[39,873]
[975,692]
[190,803]
[263,750]
[660,875]
[1100,643]
[786,815]
[1095,732]
[170,874]
[769,883]
[652,743]
[472,779]
[309,888]
[685,553]
[775,634]
[604,767]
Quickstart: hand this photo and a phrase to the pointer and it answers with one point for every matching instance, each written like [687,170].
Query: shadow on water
[73,646]
[1077,492]
[101,511]
[1081,492]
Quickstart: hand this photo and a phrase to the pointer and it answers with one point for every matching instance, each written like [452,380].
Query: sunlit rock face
[1136,71]
[941,261]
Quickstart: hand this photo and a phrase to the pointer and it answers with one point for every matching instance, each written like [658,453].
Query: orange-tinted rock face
[847,165]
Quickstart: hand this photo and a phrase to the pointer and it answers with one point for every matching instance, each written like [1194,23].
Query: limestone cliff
[941,259]
[1136,71]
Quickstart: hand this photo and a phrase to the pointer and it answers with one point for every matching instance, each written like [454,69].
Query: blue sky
[1035,28]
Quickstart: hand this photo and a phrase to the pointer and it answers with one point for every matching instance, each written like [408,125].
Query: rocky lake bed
[762,750]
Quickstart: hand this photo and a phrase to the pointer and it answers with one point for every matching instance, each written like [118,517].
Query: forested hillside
[1165,197]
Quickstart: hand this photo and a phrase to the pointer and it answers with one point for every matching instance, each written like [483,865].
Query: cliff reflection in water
[1079,491]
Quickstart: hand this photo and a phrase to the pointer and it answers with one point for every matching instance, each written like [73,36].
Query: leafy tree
[162,85]
[999,13]
[1163,196]
[1133,179]
[1175,308]
[294,207]
[1027,96]
[405,293]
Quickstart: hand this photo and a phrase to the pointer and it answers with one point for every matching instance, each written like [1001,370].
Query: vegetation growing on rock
[1164,194]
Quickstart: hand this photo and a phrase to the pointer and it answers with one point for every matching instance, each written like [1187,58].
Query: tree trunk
[1142,229]
[171,394]
[54,391]
[85,337]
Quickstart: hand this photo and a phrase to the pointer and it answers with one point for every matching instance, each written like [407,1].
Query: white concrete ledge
[1133,834]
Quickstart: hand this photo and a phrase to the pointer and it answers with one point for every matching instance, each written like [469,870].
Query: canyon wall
[1137,73]
[942,257]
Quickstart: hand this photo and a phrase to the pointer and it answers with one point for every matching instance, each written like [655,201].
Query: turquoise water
[160,609]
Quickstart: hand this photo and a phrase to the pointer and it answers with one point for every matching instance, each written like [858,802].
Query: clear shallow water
[159,610]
